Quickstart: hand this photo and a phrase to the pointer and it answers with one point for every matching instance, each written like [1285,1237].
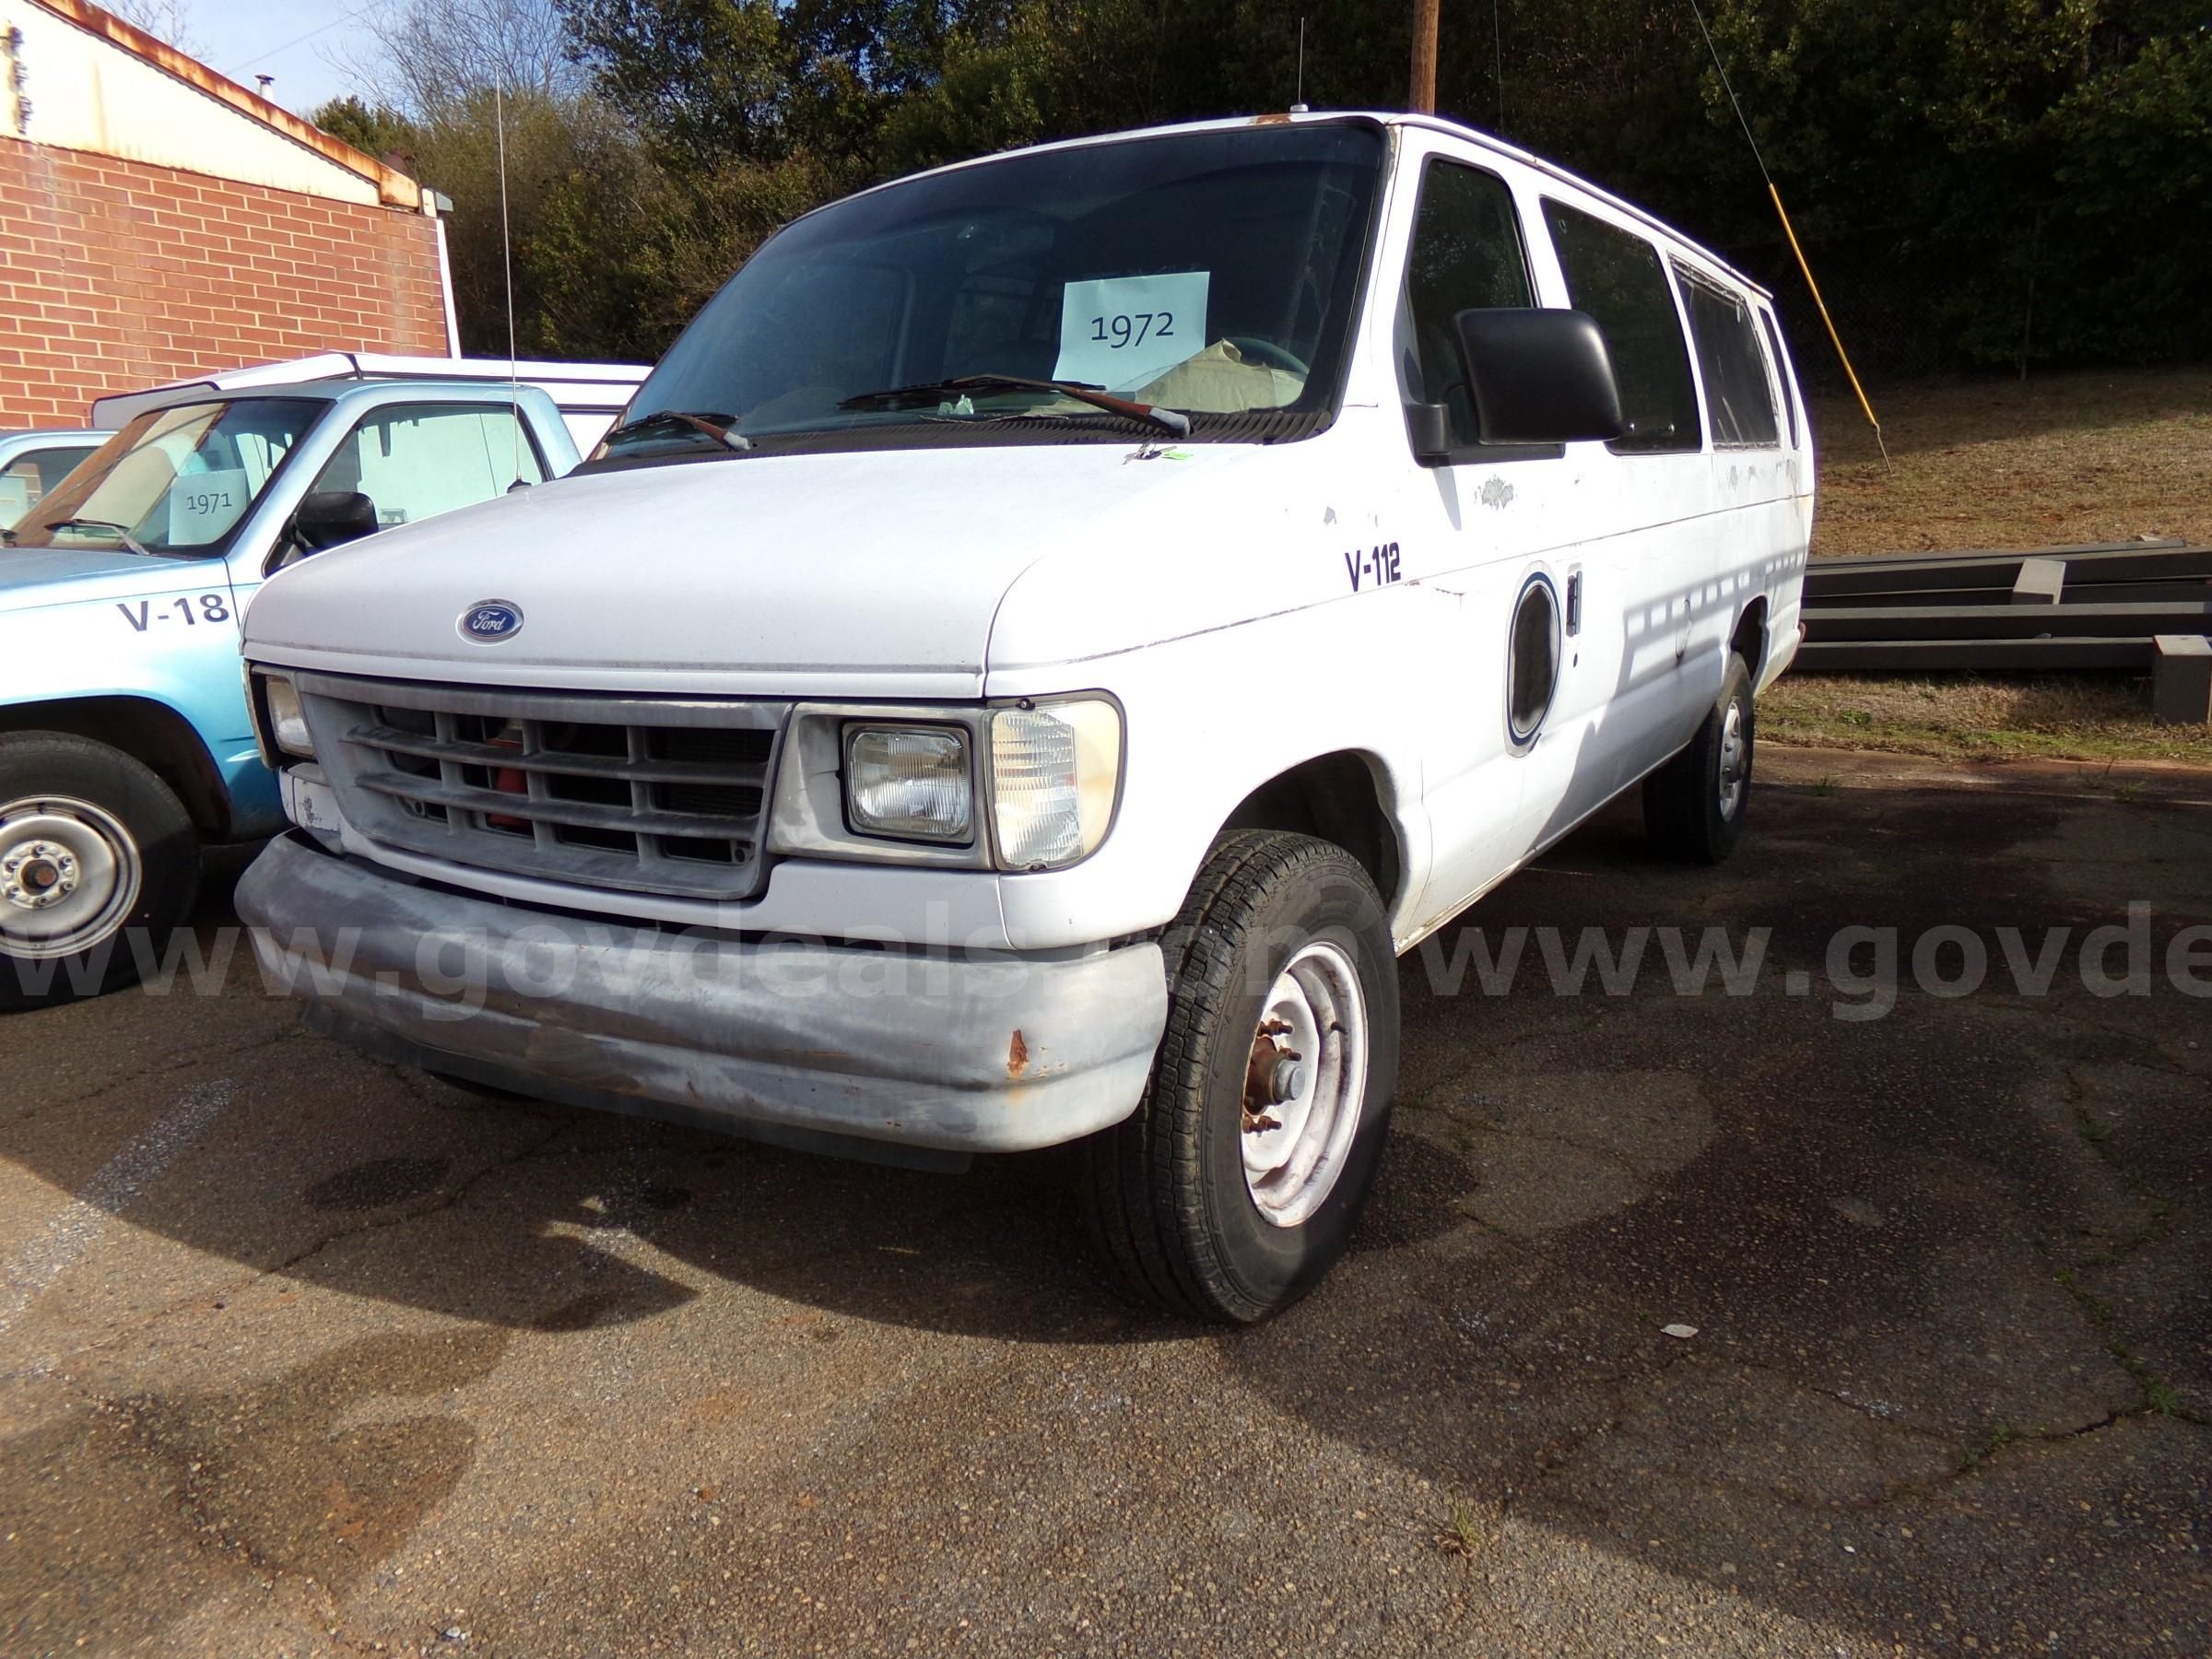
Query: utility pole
[1422,98]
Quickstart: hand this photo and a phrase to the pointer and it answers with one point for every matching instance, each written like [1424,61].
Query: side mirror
[330,517]
[1428,426]
[1539,376]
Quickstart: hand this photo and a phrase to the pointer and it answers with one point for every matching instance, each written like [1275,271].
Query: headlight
[287,720]
[909,782]
[1053,772]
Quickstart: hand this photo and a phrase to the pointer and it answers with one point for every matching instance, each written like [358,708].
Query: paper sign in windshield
[203,506]
[1121,331]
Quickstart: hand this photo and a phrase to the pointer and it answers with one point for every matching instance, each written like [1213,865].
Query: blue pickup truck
[124,741]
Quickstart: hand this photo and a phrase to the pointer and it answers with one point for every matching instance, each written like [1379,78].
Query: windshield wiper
[1171,421]
[121,532]
[721,428]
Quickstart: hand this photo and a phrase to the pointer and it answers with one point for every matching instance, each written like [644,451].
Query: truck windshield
[178,480]
[1211,273]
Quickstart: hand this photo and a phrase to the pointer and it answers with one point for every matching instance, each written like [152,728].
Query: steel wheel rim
[1735,758]
[1291,1168]
[70,874]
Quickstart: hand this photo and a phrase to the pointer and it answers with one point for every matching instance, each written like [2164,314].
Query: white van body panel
[1194,583]
[1250,607]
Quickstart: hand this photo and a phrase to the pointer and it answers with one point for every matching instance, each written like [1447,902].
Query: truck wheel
[1235,1185]
[1694,805]
[92,843]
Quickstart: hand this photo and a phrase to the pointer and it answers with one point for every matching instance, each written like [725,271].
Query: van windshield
[179,480]
[1211,273]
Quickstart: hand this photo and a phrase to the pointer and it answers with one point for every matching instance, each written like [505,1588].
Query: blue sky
[242,37]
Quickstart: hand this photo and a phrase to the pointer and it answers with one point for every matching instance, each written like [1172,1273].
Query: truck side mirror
[1428,426]
[329,517]
[1539,376]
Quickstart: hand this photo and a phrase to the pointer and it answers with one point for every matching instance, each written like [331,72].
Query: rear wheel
[1235,1185]
[92,845]
[1694,805]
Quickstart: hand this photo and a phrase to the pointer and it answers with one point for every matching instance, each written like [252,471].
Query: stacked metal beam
[2104,607]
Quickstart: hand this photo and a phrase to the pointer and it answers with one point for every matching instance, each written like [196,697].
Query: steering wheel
[1268,353]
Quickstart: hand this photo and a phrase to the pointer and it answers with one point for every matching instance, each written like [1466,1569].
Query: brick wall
[116,275]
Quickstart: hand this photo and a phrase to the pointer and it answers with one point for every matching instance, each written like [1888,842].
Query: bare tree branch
[166,20]
[431,54]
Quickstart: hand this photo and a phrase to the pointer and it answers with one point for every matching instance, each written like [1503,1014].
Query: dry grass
[1968,717]
[2048,462]
[2059,459]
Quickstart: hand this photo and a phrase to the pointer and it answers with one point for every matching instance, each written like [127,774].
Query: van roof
[592,388]
[1386,118]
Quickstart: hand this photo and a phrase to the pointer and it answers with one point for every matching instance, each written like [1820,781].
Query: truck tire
[1235,1185]
[93,847]
[1695,804]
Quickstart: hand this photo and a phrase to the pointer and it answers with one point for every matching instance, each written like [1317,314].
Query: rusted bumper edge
[957,1052]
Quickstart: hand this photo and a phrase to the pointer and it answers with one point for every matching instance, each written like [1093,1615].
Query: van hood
[31,577]
[795,573]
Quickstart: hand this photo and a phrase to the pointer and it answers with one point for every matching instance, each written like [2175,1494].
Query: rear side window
[1616,277]
[1781,375]
[1739,398]
[1466,256]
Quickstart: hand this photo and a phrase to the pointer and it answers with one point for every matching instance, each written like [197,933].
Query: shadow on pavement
[1952,1359]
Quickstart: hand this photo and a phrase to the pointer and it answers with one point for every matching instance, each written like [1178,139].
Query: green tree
[374,129]
[700,81]
[1975,178]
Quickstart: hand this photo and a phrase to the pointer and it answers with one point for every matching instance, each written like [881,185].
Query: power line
[1722,70]
[244,64]
[1804,264]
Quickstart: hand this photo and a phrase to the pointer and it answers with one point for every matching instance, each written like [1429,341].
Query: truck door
[1754,475]
[1500,508]
[1649,584]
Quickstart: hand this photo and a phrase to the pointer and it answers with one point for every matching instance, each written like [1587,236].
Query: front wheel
[91,845]
[1695,804]
[1235,1185]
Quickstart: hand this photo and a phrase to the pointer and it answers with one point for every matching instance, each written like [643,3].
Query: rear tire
[1235,1185]
[1694,806]
[95,852]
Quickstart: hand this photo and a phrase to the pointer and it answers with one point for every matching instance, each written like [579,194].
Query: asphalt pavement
[1822,1312]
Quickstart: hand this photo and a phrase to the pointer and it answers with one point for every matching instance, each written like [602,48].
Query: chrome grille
[651,794]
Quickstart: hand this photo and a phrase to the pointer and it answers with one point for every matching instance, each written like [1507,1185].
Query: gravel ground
[305,1354]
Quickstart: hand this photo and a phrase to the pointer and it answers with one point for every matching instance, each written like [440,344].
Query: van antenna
[1804,264]
[1301,62]
[1498,62]
[514,387]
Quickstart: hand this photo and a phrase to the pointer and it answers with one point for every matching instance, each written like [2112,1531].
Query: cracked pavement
[304,1353]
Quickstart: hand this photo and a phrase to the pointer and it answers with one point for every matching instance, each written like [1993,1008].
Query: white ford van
[1045,639]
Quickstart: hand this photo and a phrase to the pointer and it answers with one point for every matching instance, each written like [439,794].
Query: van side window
[1615,277]
[1466,256]
[1781,374]
[1739,398]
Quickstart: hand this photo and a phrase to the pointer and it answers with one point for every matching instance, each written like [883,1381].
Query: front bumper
[958,1053]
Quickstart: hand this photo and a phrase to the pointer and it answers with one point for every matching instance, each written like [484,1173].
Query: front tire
[93,846]
[1694,806]
[1235,1185]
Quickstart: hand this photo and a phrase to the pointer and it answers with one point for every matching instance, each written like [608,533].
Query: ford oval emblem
[488,621]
